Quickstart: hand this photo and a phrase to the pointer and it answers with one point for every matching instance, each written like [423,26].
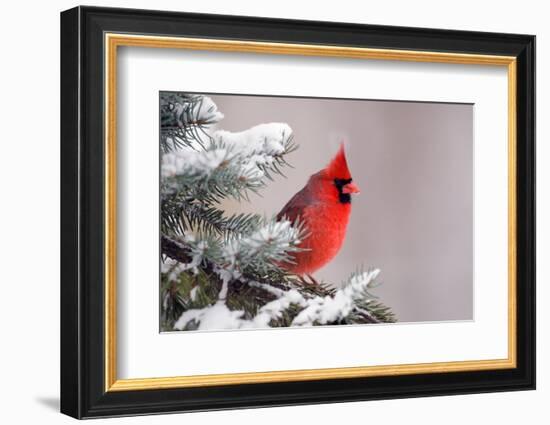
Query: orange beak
[350,188]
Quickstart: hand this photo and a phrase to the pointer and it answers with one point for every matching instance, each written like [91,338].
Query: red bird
[323,206]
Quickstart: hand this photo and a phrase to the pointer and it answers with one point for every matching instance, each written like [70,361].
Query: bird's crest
[338,167]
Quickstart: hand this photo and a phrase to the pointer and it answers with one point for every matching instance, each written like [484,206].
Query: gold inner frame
[113,41]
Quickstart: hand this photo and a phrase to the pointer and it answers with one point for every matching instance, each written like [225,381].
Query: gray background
[414,217]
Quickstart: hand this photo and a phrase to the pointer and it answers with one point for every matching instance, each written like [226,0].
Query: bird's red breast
[323,207]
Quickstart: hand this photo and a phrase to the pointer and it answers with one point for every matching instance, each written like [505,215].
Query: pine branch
[185,120]
[193,182]
[207,219]
[283,301]
[174,249]
[288,303]
[227,270]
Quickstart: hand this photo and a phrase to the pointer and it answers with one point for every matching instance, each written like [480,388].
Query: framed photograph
[261,212]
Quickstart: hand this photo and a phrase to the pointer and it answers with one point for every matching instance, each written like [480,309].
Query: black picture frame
[83,392]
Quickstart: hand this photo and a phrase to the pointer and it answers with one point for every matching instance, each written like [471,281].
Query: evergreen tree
[223,271]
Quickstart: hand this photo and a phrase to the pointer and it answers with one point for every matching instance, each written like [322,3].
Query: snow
[270,241]
[191,161]
[250,150]
[258,142]
[275,291]
[217,316]
[167,264]
[315,310]
[280,232]
[208,111]
[247,155]
[226,275]
[324,310]
[196,259]
[203,110]
[175,272]
[329,309]
[263,139]
[274,309]
[274,239]
[174,268]
[256,147]
[361,281]
[193,293]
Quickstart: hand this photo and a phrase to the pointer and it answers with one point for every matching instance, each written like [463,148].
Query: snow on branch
[272,241]
[226,271]
[245,157]
[334,308]
[255,252]
[184,111]
[259,147]
[314,310]
[216,316]
[186,120]
[202,111]
[192,163]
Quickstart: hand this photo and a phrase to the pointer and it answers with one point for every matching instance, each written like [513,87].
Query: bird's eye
[340,183]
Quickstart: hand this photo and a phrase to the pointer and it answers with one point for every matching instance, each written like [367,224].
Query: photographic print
[349,189]
[288,211]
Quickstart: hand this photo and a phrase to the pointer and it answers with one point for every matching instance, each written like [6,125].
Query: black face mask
[345,198]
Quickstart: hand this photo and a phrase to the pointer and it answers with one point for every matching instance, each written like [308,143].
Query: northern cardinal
[323,206]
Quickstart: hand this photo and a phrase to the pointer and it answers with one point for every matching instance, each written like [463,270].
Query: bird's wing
[296,207]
